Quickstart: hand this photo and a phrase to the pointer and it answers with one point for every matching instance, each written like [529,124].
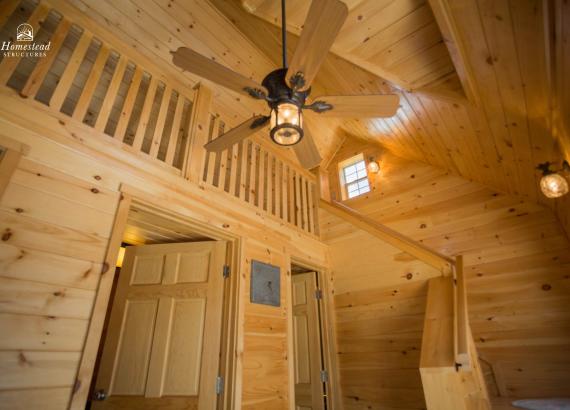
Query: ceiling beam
[456,47]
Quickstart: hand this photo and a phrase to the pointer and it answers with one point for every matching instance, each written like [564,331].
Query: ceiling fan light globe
[553,185]
[286,122]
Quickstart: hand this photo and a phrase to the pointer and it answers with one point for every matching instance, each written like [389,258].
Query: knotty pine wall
[55,220]
[517,260]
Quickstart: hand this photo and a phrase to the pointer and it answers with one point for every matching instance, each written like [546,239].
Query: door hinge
[318,294]
[324,376]
[219,385]
[226,271]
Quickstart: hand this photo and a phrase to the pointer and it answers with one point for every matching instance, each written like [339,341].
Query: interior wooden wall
[266,365]
[518,266]
[55,221]
[54,235]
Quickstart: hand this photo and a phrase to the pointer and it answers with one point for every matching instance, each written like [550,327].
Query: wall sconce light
[553,184]
[121,257]
[373,166]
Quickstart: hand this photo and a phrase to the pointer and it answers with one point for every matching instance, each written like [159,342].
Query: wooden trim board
[131,196]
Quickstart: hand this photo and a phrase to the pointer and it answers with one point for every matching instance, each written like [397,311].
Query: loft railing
[90,77]
[257,176]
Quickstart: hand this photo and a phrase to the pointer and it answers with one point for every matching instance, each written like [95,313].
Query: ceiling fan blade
[323,22]
[235,135]
[357,106]
[191,61]
[307,151]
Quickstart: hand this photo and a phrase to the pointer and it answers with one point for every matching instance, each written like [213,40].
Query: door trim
[328,332]
[229,365]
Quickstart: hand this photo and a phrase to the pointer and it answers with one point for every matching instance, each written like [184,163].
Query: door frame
[328,332]
[230,367]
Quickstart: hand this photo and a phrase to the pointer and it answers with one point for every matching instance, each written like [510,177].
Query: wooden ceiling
[508,56]
[396,40]
[511,57]
[147,225]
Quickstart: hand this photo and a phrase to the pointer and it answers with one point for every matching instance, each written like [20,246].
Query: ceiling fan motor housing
[279,92]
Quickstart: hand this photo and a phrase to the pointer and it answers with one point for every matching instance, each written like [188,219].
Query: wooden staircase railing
[449,367]
[92,81]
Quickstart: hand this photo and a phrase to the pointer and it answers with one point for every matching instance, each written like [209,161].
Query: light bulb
[553,185]
[373,167]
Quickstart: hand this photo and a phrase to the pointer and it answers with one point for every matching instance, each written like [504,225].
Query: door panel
[162,346]
[184,353]
[134,347]
[306,333]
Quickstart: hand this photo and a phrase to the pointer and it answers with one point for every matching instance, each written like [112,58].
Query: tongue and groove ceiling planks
[387,45]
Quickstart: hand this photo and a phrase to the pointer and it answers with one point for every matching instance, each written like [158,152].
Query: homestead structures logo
[25,32]
[25,45]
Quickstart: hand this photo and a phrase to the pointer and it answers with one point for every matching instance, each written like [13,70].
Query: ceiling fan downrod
[284,33]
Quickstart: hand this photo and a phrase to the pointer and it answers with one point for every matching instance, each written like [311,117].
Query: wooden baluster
[211,159]
[91,83]
[160,121]
[70,71]
[243,170]
[262,175]
[129,104]
[7,7]
[111,94]
[8,65]
[310,205]
[145,114]
[304,203]
[223,169]
[315,196]
[285,192]
[175,130]
[42,67]
[298,202]
[195,155]
[277,188]
[234,156]
[292,209]
[270,183]
[253,189]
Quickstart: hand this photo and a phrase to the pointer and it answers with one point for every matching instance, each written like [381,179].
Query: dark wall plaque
[265,284]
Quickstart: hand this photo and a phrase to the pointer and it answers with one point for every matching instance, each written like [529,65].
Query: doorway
[311,370]
[167,317]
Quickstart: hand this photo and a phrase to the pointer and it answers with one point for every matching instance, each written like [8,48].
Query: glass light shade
[373,167]
[553,185]
[286,124]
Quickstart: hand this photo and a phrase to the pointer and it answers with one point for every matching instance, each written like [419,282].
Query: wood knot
[61,122]
[423,226]
[95,190]
[97,177]
[225,226]
[7,235]
[409,276]
[546,287]
[19,210]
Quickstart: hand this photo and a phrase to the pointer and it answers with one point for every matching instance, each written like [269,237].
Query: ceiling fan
[286,89]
